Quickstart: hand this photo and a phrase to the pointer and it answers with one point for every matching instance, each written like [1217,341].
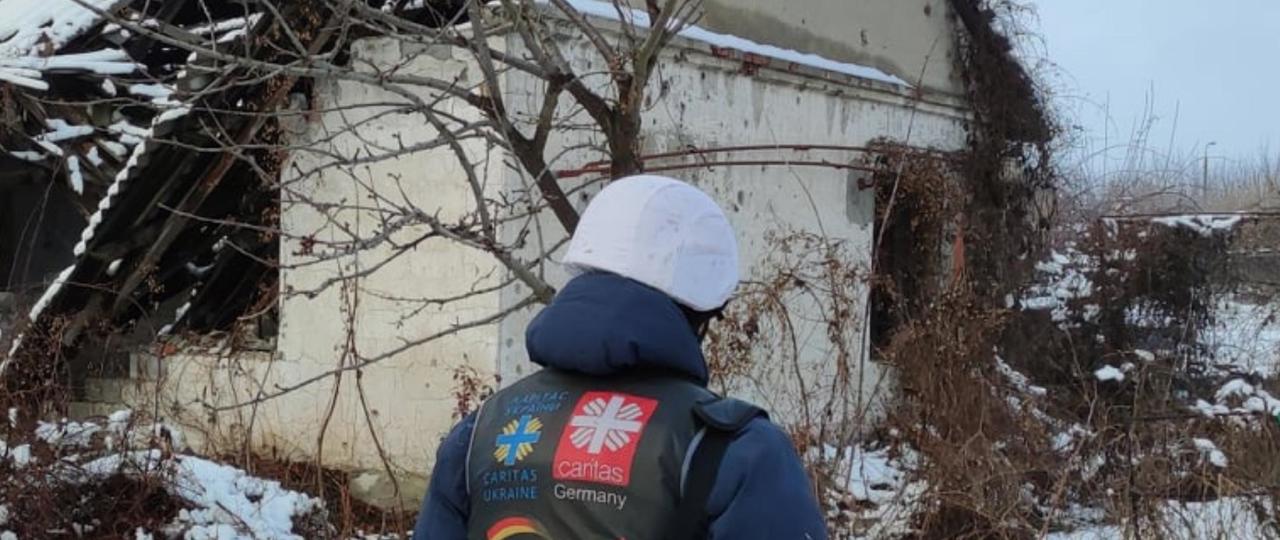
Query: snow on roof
[102,62]
[104,204]
[60,130]
[22,77]
[1205,224]
[29,26]
[607,10]
[74,176]
[28,71]
[32,30]
[50,293]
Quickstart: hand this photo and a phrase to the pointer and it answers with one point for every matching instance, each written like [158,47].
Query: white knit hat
[661,232]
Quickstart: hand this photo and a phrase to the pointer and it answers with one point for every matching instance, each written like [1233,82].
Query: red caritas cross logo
[600,441]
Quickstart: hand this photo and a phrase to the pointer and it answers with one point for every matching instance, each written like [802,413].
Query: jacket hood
[605,324]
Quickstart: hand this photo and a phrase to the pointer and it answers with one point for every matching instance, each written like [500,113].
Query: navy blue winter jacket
[602,324]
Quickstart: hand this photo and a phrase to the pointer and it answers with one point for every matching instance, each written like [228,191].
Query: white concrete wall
[409,396]
[912,39]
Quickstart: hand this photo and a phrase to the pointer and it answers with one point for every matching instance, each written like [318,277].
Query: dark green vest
[561,456]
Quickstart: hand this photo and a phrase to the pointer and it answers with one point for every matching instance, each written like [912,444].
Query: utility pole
[1204,180]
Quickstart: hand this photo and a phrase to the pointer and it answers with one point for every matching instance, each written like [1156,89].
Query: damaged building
[235,214]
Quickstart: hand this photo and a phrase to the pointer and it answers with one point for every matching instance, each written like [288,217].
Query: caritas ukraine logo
[600,441]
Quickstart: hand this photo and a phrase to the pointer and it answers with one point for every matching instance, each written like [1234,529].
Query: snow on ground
[875,476]
[1239,399]
[1064,279]
[1210,452]
[226,503]
[67,433]
[1246,336]
[880,489]
[1229,518]
[232,504]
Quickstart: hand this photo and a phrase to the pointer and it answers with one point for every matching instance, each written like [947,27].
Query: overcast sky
[1216,63]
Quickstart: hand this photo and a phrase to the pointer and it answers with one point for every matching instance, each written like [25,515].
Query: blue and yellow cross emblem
[517,439]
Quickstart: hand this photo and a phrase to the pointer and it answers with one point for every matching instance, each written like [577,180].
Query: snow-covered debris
[118,424]
[1233,388]
[1211,452]
[133,135]
[225,25]
[229,500]
[28,71]
[67,434]
[51,292]
[1206,224]
[101,62]
[27,155]
[154,91]
[880,481]
[232,35]
[73,175]
[29,26]
[1211,409]
[114,148]
[128,133]
[133,461]
[874,476]
[20,456]
[1109,373]
[118,421]
[94,158]
[177,318]
[1238,398]
[1062,441]
[1065,279]
[1018,380]
[638,18]
[221,501]
[48,147]
[28,78]
[60,130]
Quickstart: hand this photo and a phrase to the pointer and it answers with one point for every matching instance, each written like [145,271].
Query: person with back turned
[617,437]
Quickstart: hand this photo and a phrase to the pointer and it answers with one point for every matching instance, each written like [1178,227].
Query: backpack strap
[721,420]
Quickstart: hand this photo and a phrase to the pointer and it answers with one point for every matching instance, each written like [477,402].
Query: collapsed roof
[152,116]
[103,100]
